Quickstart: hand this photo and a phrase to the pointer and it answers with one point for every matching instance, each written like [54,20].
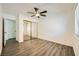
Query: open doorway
[30,30]
[9,30]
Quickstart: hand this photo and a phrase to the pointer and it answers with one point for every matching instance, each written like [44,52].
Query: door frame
[3,33]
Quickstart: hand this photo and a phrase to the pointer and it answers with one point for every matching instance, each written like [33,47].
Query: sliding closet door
[27,30]
[30,30]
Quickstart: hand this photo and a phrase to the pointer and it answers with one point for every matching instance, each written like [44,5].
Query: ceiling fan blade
[44,11]
[36,9]
[30,12]
[43,15]
[32,15]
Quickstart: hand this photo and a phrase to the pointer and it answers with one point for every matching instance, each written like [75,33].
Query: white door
[27,30]
[5,32]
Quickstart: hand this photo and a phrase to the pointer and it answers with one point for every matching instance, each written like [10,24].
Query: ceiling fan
[37,13]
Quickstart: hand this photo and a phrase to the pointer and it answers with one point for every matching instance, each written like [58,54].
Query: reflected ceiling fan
[37,13]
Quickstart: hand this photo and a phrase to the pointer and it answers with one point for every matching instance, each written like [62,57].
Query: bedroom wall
[57,27]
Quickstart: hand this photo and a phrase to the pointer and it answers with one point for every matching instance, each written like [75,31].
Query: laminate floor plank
[36,47]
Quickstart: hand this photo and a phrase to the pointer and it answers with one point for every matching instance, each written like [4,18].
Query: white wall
[19,28]
[0,29]
[57,28]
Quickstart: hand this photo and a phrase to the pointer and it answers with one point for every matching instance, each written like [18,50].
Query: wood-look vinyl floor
[36,47]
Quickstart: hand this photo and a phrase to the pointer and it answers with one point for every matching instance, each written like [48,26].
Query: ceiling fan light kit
[38,14]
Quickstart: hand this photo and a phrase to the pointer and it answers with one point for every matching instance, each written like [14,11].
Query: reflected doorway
[30,30]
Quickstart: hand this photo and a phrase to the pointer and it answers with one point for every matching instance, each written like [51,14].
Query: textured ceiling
[16,8]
